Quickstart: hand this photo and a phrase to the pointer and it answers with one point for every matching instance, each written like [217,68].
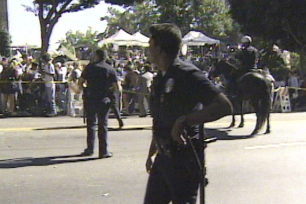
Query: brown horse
[251,86]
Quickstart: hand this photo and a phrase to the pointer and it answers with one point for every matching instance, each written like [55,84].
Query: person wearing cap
[99,82]
[182,97]
[48,73]
[248,55]
[61,87]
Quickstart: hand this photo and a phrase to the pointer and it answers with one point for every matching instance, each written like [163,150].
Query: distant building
[4,25]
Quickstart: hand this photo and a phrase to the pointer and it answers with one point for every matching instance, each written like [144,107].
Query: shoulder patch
[169,85]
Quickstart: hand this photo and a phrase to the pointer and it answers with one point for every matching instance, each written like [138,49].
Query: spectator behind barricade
[293,85]
[28,96]
[48,73]
[1,69]
[74,94]
[9,88]
[61,87]
[144,90]
[279,82]
[26,62]
[129,88]
[301,100]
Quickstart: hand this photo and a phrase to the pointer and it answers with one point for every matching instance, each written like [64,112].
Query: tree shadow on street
[43,161]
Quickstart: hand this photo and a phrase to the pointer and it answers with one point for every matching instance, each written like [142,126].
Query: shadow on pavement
[109,128]
[222,134]
[42,161]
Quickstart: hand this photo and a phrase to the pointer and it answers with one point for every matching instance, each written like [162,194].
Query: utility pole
[4,25]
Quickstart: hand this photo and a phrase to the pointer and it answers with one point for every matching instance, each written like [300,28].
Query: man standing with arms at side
[99,80]
[182,98]
[48,73]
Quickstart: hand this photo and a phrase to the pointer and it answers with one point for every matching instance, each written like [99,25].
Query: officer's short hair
[168,37]
[102,54]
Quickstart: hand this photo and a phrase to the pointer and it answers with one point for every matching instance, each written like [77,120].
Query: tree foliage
[5,42]
[123,2]
[49,12]
[208,16]
[81,43]
[136,18]
[279,21]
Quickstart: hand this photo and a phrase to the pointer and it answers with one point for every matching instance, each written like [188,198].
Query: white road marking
[276,145]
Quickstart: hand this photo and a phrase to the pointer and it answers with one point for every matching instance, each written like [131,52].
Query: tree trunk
[45,38]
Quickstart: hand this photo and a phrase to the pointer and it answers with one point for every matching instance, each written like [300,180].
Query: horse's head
[221,67]
[216,68]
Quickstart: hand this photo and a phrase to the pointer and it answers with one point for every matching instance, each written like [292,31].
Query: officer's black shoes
[87,152]
[143,116]
[107,155]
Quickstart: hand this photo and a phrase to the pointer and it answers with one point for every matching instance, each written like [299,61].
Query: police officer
[248,55]
[100,81]
[182,98]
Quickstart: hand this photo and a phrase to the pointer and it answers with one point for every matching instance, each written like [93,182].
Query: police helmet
[246,39]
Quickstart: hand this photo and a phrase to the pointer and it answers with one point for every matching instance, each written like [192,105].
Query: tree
[5,42]
[81,43]
[138,17]
[123,2]
[208,16]
[49,12]
[279,21]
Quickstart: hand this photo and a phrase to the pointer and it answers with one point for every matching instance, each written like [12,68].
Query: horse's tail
[264,109]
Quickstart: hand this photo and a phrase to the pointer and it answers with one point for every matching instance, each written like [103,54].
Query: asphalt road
[39,162]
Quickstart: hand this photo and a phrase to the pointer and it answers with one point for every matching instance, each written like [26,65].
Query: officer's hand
[149,164]
[177,133]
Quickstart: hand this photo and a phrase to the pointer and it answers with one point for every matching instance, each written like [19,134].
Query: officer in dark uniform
[248,55]
[182,98]
[100,82]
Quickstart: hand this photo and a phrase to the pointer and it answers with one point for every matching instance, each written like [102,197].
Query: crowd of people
[29,87]
[34,88]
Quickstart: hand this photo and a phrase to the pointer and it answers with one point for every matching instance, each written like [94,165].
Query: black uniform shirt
[179,91]
[248,57]
[99,79]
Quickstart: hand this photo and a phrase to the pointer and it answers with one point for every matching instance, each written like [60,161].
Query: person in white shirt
[144,89]
[48,74]
[293,84]
[61,87]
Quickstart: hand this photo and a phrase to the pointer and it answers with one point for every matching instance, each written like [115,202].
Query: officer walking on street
[99,80]
[182,98]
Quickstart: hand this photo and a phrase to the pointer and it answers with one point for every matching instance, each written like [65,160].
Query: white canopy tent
[120,38]
[144,40]
[195,38]
[123,38]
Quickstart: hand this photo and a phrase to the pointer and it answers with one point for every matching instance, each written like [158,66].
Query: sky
[25,30]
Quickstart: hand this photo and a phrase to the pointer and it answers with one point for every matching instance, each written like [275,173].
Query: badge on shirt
[169,85]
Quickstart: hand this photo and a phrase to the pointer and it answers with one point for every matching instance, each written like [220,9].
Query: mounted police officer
[182,98]
[248,55]
[100,81]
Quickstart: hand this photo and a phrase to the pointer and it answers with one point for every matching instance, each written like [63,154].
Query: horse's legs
[233,115]
[268,118]
[258,117]
[233,121]
[241,114]
[268,124]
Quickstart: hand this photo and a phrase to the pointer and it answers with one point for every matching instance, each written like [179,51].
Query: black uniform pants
[97,114]
[173,179]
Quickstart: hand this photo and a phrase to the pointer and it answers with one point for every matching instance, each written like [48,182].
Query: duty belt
[170,148]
